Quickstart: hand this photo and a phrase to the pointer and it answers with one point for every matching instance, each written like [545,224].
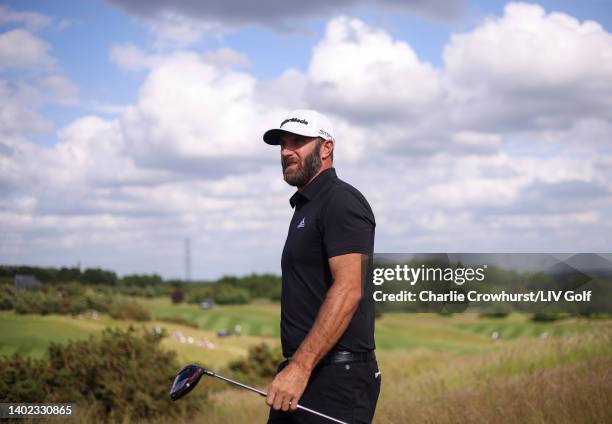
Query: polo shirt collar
[314,187]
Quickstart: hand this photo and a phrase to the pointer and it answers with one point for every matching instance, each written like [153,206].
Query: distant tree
[68,274]
[142,280]
[99,276]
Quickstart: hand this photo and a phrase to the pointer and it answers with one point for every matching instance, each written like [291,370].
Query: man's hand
[287,387]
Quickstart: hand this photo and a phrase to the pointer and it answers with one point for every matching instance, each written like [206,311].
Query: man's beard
[301,175]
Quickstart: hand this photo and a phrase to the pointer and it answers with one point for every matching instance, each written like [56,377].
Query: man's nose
[286,149]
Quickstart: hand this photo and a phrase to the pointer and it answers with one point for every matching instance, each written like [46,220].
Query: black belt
[345,357]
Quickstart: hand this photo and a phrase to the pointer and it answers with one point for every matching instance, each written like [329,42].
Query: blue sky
[490,120]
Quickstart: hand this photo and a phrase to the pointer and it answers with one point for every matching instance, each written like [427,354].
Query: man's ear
[327,149]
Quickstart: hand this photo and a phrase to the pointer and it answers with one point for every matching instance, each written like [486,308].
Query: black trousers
[348,392]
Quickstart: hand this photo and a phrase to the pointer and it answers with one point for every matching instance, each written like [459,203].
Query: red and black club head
[186,380]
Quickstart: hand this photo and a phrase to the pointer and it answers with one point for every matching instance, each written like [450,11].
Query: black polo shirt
[331,218]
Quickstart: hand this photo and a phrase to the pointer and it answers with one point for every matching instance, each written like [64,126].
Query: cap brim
[272,136]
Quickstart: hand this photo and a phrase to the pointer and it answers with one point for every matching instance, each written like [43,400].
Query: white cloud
[530,69]
[60,89]
[472,156]
[553,49]
[227,58]
[175,29]
[107,108]
[130,57]
[32,20]
[189,110]
[19,48]
[363,72]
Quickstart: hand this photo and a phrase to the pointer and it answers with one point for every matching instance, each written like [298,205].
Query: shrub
[99,302]
[197,292]
[24,379]
[127,310]
[225,295]
[275,294]
[546,316]
[121,376]
[493,315]
[29,302]
[180,321]
[7,298]
[77,305]
[259,365]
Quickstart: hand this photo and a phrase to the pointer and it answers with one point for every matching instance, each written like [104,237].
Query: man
[327,312]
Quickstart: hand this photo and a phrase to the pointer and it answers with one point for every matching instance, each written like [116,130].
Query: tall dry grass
[558,380]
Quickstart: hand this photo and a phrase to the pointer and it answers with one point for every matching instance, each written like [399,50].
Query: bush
[259,365]
[24,380]
[493,315]
[29,302]
[71,289]
[7,298]
[127,310]
[120,376]
[275,294]
[547,316]
[198,291]
[77,305]
[225,295]
[99,301]
[180,321]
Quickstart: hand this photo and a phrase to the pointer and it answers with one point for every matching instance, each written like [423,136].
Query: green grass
[465,333]
[260,318]
[30,335]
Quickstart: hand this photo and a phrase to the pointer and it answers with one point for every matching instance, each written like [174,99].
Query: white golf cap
[306,122]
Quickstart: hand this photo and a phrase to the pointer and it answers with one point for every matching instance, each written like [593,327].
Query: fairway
[463,333]
[260,318]
[30,335]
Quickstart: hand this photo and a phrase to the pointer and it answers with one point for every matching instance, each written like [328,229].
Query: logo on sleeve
[302,223]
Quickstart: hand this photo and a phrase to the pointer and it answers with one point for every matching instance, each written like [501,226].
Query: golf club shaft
[262,393]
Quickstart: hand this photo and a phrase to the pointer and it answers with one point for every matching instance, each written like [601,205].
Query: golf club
[189,377]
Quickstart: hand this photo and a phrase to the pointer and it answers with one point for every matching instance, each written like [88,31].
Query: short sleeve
[348,224]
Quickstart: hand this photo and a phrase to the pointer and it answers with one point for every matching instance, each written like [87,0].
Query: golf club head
[186,380]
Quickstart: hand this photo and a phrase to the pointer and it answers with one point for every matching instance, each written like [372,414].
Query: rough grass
[557,380]
[565,379]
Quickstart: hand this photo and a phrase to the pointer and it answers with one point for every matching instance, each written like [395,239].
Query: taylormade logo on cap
[301,121]
[305,122]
